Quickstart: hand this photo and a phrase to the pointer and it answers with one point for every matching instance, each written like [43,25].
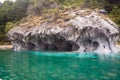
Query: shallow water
[30,65]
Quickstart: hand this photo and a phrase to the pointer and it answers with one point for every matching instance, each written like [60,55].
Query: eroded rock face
[87,31]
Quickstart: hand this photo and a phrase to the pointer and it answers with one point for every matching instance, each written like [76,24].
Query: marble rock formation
[84,31]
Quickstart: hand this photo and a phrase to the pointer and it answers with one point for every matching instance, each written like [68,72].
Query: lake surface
[30,65]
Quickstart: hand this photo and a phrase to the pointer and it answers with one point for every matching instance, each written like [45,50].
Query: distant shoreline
[3,47]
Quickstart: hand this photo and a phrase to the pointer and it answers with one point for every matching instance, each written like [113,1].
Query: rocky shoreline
[5,47]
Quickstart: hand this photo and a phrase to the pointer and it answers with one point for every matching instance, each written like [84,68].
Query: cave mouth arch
[47,44]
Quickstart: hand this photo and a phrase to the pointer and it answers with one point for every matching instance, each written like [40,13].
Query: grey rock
[93,32]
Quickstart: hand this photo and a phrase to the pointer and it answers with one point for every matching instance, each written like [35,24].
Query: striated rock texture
[72,30]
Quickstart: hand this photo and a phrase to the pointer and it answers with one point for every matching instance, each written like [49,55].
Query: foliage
[37,7]
[8,26]
[115,15]
[70,2]
[10,12]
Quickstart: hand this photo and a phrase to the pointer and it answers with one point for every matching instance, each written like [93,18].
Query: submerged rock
[76,30]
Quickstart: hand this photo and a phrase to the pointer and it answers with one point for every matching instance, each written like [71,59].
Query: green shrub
[115,15]
[8,26]
[68,3]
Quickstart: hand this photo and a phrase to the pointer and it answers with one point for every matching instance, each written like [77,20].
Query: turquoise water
[30,65]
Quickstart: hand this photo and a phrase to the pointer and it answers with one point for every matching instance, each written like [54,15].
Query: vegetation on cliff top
[12,12]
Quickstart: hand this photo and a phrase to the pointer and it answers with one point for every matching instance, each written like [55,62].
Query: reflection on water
[29,65]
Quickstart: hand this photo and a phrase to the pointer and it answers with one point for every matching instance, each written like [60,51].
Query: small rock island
[72,30]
